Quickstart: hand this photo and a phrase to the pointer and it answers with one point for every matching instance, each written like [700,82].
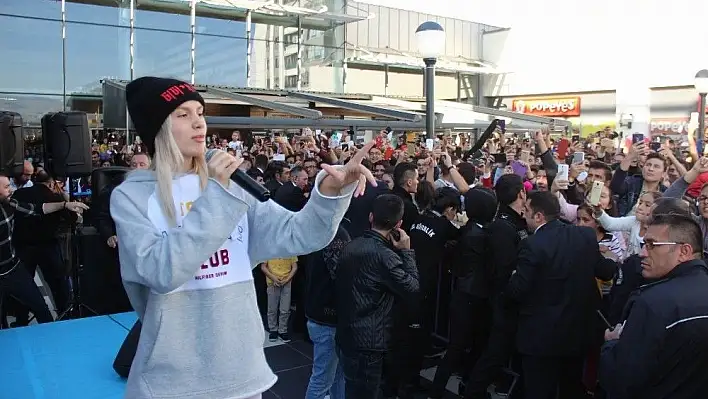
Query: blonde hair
[169,162]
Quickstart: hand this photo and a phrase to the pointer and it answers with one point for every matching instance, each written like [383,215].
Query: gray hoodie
[192,286]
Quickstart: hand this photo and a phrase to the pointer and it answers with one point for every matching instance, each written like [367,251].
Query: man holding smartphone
[374,271]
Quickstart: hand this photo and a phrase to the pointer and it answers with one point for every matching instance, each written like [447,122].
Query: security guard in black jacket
[470,310]
[505,235]
[661,350]
[431,234]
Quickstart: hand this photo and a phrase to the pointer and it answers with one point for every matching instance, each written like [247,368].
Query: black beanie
[151,100]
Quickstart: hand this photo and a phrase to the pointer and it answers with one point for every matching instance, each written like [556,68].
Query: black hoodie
[320,306]
[472,266]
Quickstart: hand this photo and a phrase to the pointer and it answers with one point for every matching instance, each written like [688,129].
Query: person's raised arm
[312,228]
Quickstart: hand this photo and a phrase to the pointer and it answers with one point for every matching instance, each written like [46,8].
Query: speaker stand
[76,307]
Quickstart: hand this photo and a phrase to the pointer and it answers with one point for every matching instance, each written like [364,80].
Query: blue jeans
[327,376]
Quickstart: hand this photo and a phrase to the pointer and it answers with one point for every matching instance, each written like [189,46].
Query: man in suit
[277,174]
[554,285]
[291,196]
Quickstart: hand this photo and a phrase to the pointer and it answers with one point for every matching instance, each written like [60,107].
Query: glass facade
[40,68]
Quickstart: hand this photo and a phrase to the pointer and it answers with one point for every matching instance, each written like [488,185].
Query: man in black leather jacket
[374,270]
[470,311]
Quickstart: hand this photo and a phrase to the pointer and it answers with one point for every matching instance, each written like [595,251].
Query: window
[31,54]
[114,16]
[291,61]
[162,21]
[95,52]
[223,27]
[290,82]
[32,8]
[220,61]
[291,38]
[159,53]
[31,107]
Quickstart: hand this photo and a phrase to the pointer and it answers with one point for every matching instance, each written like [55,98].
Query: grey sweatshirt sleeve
[677,189]
[276,232]
[179,251]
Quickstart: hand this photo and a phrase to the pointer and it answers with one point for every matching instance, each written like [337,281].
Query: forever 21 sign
[559,106]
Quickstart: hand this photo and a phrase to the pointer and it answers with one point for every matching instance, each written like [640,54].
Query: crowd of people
[565,267]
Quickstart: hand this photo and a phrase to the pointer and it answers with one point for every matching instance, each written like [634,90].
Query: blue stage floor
[73,360]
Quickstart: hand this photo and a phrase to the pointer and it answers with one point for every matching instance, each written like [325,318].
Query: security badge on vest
[229,264]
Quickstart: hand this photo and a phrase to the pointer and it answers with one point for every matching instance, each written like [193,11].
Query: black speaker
[103,177]
[12,144]
[100,283]
[67,144]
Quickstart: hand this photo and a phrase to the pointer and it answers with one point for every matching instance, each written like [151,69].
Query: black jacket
[628,279]
[473,266]
[273,185]
[31,230]
[371,275]
[556,289]
[663,350]
[104,222]
[430,234]
[505,236]
[290,197]
[410,211]
[321,306]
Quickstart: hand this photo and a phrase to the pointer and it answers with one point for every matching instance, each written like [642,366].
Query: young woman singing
[188,238]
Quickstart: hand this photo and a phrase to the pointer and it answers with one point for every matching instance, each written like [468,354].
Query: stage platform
[73,360]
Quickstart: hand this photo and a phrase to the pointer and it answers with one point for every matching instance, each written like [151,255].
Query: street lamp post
[431,44]
[701,85]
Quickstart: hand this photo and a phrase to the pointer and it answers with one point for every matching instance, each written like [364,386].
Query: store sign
[668,126]
[561,106]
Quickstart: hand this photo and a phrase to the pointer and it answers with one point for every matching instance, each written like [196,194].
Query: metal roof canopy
[368,109]
[261,12]
[234,122]
[522,117]
[272,105]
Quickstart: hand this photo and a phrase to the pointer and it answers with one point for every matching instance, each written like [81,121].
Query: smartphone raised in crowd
[525,156]
[595,193]
[578,157]
[637,138]
[655,146]
[563,170]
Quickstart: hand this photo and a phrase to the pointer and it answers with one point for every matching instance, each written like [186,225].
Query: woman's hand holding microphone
[222,165]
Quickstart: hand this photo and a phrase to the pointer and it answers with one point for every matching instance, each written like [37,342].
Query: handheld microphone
[244,181]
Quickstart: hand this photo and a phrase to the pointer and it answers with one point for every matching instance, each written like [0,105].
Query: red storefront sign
[552,106]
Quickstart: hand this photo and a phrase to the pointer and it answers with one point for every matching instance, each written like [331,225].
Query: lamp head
[701,81]
[431,39]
